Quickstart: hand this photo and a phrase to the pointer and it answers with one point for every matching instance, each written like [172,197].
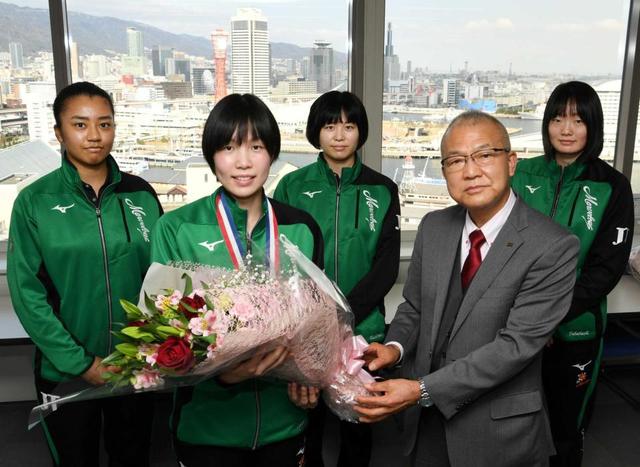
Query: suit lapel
[445,257]
[505,245]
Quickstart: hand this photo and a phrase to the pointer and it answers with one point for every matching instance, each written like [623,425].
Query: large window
[27,90]
[166,67]
[502,57]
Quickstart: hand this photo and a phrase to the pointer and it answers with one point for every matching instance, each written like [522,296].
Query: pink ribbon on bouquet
[351,352]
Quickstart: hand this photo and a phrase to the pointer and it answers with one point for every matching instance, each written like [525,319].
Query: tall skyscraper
[388,49]
[159,56]
[322,70]
[450,92]
[17,60]
[134,43]
[133,63]
[250,71]
[219,40]
[391,61]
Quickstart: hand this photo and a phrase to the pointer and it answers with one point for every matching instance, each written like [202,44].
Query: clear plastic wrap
[193,322]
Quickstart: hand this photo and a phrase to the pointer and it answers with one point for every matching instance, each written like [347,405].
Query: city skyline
[545,37]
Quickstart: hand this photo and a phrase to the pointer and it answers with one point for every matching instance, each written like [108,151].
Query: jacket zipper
[106,270]
[256,437]
[357,206]
[105,259]
[335,251]
[556,196]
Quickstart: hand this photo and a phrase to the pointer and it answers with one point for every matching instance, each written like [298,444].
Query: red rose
[175,354]
[137,323]
[196,303]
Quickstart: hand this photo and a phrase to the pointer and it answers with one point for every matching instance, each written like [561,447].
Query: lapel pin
[509,243]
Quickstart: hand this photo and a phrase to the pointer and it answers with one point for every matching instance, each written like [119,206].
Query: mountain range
[105,34]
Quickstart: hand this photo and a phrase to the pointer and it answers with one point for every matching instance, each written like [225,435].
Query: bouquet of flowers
[193,322]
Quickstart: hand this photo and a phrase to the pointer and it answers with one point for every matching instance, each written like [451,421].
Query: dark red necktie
[474,259]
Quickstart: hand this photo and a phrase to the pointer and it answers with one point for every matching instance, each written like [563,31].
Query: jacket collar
[569,172]
[71,176]
[348,175]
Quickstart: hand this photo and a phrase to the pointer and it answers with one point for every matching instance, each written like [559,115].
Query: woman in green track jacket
[357,209]
[237,419]
[578,190]
[79,241]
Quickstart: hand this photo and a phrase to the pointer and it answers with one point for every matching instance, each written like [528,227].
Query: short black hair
[328,108]
[81,88]
[239,115]
[584,99]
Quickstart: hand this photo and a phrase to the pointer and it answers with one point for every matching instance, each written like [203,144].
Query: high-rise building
[95,66]
[17,59]
[305,67]
[250,72]
[159,56]
[203,80]
[134,43]
[39,99]
[322,69]
[450,92]
[391,61]
[179,66]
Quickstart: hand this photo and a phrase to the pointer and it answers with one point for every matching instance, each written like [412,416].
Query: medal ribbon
[232,240]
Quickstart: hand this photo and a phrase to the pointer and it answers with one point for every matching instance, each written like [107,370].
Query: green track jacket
[594,202]
[69,263]
[255,412]
[358,214]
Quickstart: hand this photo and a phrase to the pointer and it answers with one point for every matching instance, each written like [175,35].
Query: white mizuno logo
[311,194]
[581,367]
[210,246]
[532,189]
[62,209]
[590,201]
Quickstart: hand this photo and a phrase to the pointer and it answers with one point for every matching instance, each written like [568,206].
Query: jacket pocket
[516,404]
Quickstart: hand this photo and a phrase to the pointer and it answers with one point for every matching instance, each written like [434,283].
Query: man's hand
[94,374]
[256,366]
[397,395]
[380,356]
[305,397]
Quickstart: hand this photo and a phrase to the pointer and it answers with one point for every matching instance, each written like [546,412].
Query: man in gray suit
[489,281]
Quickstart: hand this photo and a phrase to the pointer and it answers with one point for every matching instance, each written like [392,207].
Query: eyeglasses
[481,157]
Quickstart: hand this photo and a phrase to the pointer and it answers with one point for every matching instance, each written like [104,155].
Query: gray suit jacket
[489,389]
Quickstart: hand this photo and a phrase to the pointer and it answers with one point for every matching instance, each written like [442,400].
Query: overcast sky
[564,36]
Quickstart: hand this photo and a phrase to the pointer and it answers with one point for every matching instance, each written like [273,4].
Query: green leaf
[132,311]
[188,284]
[150,304]
[211,338]
[170,331]
[112,357]
[130,350]
[120,336]
[138,333]
[189,308]
[209,303]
